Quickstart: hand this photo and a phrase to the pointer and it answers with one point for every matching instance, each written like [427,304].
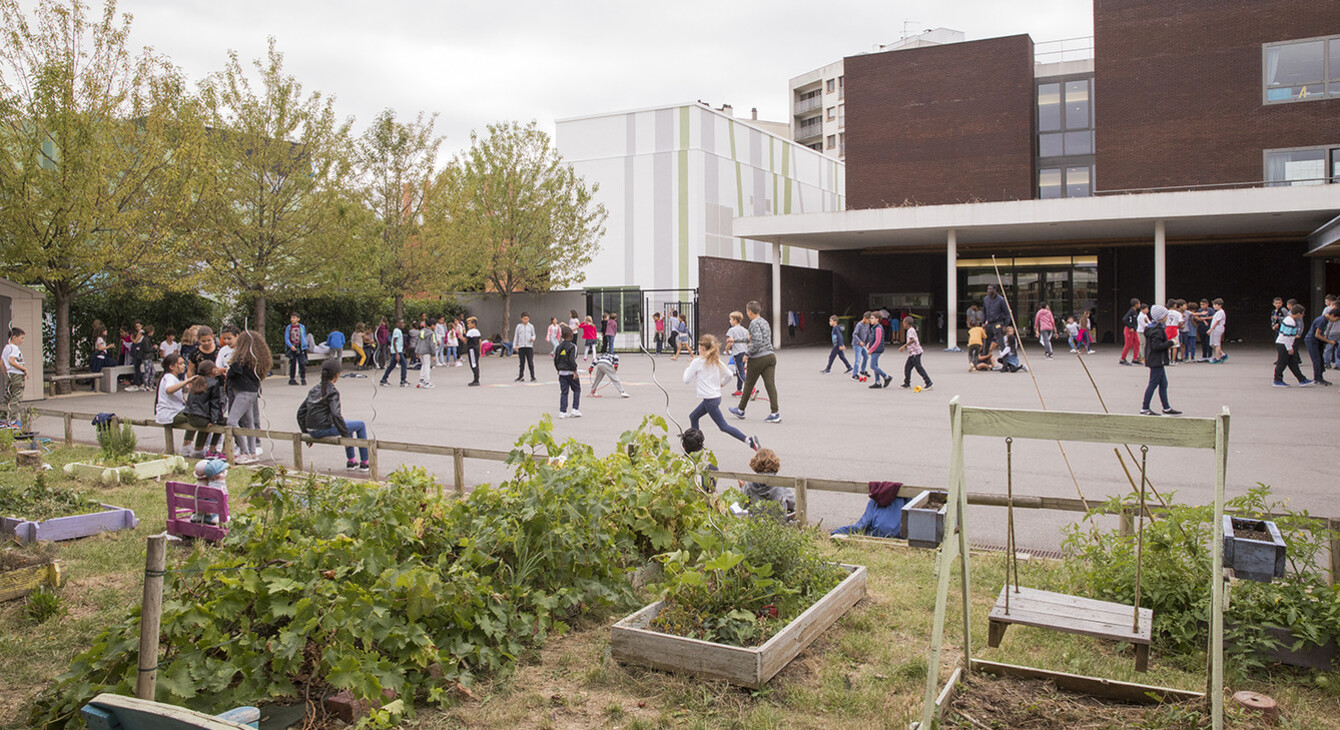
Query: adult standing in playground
[997,314]
[762,363]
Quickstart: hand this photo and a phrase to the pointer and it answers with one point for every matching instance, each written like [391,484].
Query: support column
[1160,262]
[777,322]
[951,291]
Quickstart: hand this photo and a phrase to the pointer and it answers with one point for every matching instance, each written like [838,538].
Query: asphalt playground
[833,427]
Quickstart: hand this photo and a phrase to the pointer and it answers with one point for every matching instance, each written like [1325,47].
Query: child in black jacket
[1156,359]
[204,407]
[565,362]
[320,416]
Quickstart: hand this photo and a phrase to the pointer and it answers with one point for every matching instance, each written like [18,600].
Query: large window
[1302,70]
[1065,118]
[1303,166]
[1065,182]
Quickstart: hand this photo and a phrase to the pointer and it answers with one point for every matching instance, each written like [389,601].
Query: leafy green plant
[6,440]
[39,500]
[1176,572]
[117,441]
[742,585]
[368,587]
[43,605]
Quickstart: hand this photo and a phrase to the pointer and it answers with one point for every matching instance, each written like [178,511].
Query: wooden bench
[280,359]
[109,711]
[185,500]
[1075,615]
[112,373]
[49,380]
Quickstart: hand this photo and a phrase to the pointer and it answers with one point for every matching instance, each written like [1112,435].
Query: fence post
[802,500]
[458,467]
[228,443]
[69,429]
[1335,550]
[297,451]
[372,460]
[169,441]
[151,611]
[1127,522]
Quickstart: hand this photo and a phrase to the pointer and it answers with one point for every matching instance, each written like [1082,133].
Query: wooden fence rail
[802,485]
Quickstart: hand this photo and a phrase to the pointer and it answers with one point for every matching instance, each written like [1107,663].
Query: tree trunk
[399,305]
[63,352]
[507,313]
[258,314]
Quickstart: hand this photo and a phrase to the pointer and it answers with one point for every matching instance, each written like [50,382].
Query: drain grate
[1035,552]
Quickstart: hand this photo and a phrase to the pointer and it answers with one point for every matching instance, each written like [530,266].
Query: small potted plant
[924,519]
[1253,548]
[118,461]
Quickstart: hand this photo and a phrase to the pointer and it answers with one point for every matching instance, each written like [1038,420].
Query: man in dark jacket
[1156,359]
[1130,334]
[997,314]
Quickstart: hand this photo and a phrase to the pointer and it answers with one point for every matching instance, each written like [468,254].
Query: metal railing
[801,485]
[810,128]
[813,102]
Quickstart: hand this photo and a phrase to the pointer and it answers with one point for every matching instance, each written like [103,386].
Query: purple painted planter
[109,519]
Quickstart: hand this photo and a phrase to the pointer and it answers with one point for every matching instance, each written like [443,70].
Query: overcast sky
[481,62]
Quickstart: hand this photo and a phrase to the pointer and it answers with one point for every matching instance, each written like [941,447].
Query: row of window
[1303,166]
[1302,70]
[838,85]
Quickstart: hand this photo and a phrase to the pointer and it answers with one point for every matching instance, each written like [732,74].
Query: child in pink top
[912,346]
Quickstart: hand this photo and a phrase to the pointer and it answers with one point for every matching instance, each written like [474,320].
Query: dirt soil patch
[987,703]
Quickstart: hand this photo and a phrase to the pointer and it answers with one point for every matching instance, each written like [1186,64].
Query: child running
[708,374]
[912,345]
[839,346]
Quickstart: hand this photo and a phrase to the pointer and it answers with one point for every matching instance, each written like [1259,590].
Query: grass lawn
[868,671]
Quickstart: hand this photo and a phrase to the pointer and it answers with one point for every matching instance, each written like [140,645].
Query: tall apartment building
[818,97]
[1197,154]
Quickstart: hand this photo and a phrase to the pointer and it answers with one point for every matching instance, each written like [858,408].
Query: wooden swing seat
[1075,615]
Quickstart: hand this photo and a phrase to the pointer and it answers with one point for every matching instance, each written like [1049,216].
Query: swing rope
[1140,541]
[1011,555]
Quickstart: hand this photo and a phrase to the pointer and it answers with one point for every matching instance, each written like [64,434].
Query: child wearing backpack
[565,362]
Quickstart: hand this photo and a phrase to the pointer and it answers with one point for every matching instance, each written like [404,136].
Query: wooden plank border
[1101,428]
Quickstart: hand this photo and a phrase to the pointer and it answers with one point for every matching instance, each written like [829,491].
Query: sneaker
[623,394]
[773,418]
[1072,349]
[384,384]
[473,384]
[1304,383]
[404,384]
[243,459]
[906,386]
[303,383]
[292,382]
[752,441]
[575,413]
[532,379]
[825,372]
[737,393]
[927,386]
[1325,383]
[518,379]
[874,386]
[563,414]
[1280,384]
[1171,412]
[1147,412]
[594,394]
[363,467]
[1119,362]
[1224,358]
[1090,352]
[351,465]
[428,386]
[887,379]
[736,412]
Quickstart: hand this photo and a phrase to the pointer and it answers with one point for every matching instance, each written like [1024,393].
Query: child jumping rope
[709,374]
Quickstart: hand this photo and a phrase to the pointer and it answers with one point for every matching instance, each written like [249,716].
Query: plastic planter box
[924,523]
[151,469]
[632,642]
[1250,559]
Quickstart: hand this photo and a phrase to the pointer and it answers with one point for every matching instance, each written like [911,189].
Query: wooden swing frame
[1194,433]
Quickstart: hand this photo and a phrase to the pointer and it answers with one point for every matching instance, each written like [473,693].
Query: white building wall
[672,180]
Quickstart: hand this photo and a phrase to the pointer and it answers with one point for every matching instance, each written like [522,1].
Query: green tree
[276,215]
[396,163]
[516,215]
[98,158]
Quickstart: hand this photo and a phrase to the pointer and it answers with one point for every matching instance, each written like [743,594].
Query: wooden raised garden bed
[632,642]
[151,469]
[924,519]
[1254,549]
[108,519]
[20,582]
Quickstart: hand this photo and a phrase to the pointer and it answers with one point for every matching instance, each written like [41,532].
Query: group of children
[214,384]
[1288,323]
[1184,325]
[868,344]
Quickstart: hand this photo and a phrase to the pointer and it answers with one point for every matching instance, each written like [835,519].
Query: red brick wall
[941,124]
[726,285]
[1178,85]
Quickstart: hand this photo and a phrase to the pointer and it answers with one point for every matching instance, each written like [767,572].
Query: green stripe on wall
[739,181]
[683,197]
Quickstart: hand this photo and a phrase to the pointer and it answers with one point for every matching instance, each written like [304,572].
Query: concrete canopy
[1195,214]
